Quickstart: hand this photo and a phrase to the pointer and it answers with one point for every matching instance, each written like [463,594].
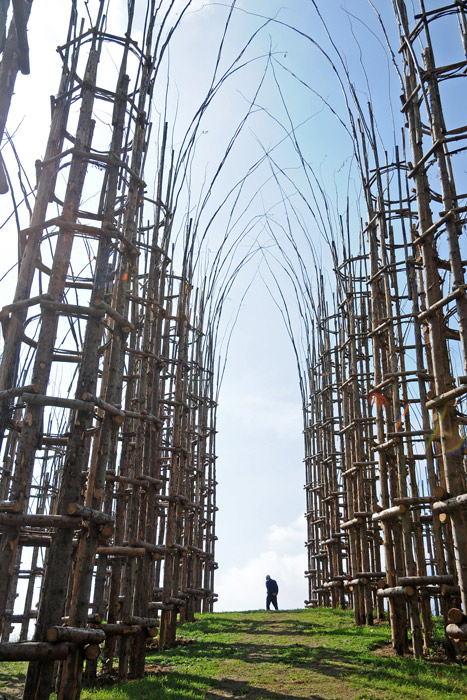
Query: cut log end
[457,632]
[52,634]
[456,616]
[72,509]
[91,652]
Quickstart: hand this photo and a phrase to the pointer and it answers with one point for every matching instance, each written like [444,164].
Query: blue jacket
[271,586]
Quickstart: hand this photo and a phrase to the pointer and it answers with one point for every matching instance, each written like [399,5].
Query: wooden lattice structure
[386,440]
[108,412]
[108,390]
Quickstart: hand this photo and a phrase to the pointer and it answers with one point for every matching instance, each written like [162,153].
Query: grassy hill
[296,654]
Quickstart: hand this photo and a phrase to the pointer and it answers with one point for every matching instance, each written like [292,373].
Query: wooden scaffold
[108,382]
[108,410]
[401,339]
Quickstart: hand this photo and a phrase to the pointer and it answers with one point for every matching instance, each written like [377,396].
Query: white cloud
[280,535]
[267,413]
[241,586]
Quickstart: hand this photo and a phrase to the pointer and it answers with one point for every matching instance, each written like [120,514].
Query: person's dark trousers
[271,598]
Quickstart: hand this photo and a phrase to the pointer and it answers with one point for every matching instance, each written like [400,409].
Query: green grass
[300,654]
[297,654]
[12,677]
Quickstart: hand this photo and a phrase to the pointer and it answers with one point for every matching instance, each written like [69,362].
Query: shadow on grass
[11,680]
[281,626]
[282,623]
[240,689]
[185,686]
[361,668]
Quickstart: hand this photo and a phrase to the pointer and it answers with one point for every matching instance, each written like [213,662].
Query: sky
[297,150]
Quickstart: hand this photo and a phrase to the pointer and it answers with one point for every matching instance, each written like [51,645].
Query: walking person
[272,590]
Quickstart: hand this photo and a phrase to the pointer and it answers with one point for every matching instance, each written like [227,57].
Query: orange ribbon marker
[377,399]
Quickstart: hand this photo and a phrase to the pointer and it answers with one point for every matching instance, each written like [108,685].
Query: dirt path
[277,660]
[309,655]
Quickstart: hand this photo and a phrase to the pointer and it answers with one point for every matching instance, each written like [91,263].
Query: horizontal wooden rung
[413,500]
[118,628]
[423,580]
[460,291]
[389,513]
[451,504]
[148,546]
[95,516]
[456,632]
[352,523]
[71,309]
[23,304]
[361,581]
[33,651]
[122,551]
[150,479]
[19,390]
[10,507]
[61,402]
[395,592]
[76,635]
[142,621]
[18,619]
[446,397]
[38,520]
